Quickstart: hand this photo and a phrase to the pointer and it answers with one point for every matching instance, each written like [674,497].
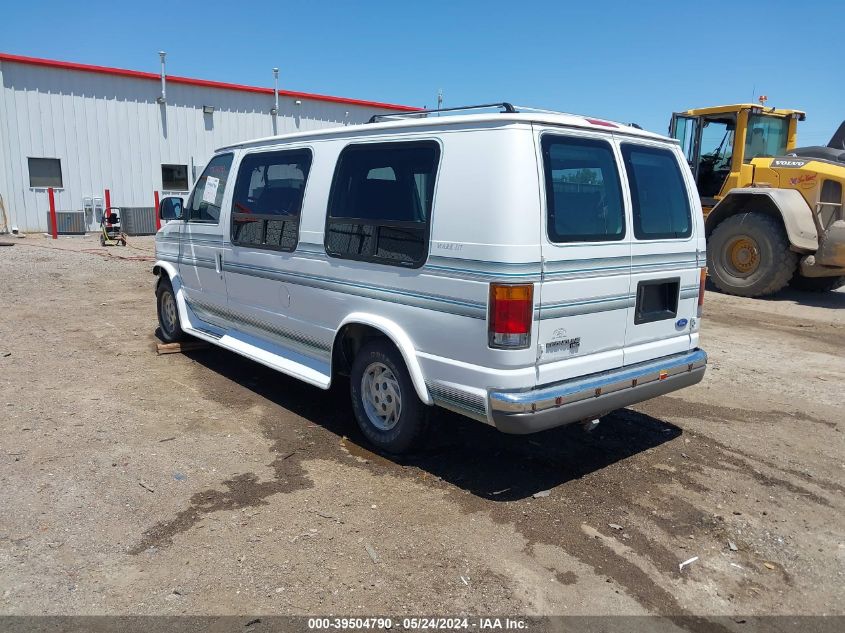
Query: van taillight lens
[510,316]
[701,292]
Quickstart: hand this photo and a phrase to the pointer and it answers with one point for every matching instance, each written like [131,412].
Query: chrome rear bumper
[595,395]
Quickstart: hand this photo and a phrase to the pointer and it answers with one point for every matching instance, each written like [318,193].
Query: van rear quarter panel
[485,228]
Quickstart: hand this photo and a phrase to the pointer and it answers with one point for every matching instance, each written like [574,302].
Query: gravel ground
[203,483]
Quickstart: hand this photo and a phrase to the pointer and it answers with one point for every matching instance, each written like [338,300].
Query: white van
[526,269]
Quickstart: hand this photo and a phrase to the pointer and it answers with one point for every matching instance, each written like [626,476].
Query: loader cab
[719,144]
[708,144]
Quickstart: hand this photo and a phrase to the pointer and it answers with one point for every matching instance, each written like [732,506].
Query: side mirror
[170,208]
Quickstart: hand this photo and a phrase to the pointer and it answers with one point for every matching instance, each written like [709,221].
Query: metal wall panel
[110,133]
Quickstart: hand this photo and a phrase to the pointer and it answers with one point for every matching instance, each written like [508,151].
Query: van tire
[773,263]
[816,284]
[170,328]
[379,364]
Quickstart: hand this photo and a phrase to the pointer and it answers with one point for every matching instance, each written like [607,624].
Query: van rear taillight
[701,292]
[510,315]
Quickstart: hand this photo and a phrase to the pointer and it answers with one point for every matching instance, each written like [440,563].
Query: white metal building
[86,129]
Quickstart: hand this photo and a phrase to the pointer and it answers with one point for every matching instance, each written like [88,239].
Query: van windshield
[659,198]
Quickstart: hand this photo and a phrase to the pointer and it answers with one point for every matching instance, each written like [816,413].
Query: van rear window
[583,194]
[660,200]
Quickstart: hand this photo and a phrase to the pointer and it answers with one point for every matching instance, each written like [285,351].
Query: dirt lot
[205,484]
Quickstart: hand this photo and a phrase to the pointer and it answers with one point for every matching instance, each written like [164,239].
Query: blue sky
[625,60]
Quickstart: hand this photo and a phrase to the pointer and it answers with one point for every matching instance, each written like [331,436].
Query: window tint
[174,177]
[205,201]
[660,201]
[765,136]
[45,172]
[268,199]
[583,194]
[380,202]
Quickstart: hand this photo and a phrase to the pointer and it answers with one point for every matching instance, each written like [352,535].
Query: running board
[282,359]
[272,356]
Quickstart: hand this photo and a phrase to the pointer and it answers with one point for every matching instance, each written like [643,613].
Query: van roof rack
[506,107]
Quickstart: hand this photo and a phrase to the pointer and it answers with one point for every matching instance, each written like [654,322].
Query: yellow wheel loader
[773,212]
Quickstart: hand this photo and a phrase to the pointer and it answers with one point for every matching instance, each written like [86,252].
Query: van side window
[380,203]
[204,203]
[583,193]
[660,200]
[268,199]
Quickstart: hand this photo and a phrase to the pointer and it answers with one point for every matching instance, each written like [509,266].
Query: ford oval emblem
[681,323]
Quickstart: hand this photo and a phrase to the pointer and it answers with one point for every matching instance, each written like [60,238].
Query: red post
[108,206]
[158,219]
[53,220]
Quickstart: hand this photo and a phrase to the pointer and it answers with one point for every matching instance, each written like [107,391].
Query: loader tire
[748,255]
[816,284]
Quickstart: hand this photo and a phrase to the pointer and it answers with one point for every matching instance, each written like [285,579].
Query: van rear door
[586,249]
[665,250]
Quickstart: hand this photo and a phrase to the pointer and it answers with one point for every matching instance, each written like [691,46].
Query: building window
[174,177]
[268,199]
[45,172]
[583,193]
[380,203]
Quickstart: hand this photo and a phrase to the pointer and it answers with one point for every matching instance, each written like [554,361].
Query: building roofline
[189,81]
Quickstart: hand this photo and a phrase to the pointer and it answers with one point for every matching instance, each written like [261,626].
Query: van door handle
[218,263]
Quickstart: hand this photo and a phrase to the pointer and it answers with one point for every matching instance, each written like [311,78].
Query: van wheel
[168,312]
[816,284]
[748,255]
[385,403]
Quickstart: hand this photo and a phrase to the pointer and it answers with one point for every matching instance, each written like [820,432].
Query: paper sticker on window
[209,194]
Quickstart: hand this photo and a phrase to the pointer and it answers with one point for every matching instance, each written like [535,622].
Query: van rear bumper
[593,396]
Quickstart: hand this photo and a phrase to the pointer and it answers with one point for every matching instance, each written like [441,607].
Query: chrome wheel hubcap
[381,396]
[169,315]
